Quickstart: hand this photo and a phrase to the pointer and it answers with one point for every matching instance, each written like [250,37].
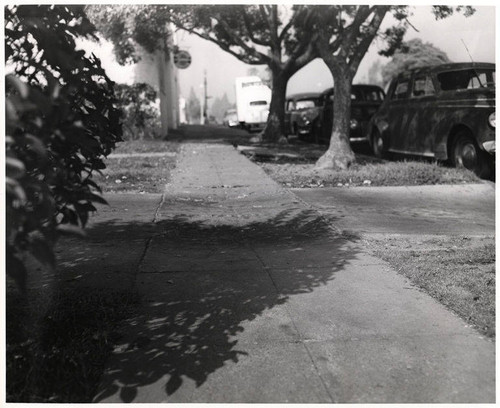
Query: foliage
[64,360]
[141,114]
[135,30]
[413,54]
[220,106]
[60,121]
[193,108]
[375,75]
[127,26]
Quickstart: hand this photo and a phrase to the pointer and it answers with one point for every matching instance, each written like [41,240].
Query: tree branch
[248,59]
[290,23]
[236,40]
[373,27]
[248,27]
[353,29]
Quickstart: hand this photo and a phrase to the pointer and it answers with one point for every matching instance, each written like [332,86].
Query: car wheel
[378,146]
[466,154]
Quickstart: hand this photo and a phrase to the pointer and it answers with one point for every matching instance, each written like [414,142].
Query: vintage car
[446,112]
[296,106]
[230,118]
[365,100]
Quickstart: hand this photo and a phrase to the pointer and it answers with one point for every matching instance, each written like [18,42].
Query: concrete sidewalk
[249,295]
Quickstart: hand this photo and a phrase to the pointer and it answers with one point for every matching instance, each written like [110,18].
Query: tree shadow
[210,134]
[202,284]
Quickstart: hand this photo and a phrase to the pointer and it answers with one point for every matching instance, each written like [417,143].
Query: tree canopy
[128,26]
[413,54]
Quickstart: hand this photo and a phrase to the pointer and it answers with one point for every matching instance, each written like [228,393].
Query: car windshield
[466,79]
[306,104]
[367,94]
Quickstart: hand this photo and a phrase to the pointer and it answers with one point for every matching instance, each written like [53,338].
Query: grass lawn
[457,271]
[368,172]
[146,146]
[126,172]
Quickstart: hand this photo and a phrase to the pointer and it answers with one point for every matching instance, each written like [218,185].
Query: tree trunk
[339,154]
[275,126]
[163,91]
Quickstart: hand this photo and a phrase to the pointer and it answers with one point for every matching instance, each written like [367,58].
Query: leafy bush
[142,115]
[61,120]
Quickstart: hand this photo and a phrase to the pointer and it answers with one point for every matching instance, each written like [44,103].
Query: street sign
[182,59]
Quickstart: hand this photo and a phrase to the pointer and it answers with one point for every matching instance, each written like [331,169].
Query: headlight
[354,123]
[489,146]
[491,119]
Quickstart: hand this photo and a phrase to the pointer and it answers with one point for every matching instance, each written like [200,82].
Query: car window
[401,90]
[291,105]
[305,104]
[374,95]
[465,79]
[423,86]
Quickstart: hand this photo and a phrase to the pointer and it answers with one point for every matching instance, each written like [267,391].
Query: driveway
[423,210]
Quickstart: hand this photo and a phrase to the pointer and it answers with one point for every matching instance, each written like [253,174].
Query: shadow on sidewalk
[210,134]
[213,281]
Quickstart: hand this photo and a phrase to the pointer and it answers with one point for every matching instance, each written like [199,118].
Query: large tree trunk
[339,154]
[163,56]
[275,126]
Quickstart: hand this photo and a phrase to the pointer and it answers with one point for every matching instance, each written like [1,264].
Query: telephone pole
[205,99]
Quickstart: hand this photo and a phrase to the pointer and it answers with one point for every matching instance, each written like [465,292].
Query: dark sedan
[296,106]
[446,112]
[365,100]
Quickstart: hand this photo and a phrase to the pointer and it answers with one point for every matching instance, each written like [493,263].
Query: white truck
[253,97]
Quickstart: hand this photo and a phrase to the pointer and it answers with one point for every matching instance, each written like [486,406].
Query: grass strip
[136,174]
[365,173]
[457,271]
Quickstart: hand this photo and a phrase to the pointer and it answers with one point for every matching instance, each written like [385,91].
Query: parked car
[365,100]
[230,118]
[296,106]
[445,111]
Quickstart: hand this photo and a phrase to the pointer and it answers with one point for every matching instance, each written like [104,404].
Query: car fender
[378,124]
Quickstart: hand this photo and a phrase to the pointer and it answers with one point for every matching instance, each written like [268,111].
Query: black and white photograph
[249,203]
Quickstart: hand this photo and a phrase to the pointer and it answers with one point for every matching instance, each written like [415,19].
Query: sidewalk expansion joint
[150,239]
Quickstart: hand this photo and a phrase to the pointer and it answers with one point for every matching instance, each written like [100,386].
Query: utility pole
[205,99]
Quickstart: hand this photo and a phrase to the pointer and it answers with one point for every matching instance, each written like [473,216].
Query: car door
[397,116]
[421,116]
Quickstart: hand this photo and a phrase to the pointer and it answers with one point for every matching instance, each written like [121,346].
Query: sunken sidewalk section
[249,295]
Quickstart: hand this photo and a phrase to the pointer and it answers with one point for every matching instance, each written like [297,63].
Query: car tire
[465,153]
[378,145]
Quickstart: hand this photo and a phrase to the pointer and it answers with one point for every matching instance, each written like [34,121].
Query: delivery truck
[253,97]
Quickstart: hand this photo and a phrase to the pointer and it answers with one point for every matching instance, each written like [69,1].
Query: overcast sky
[477,31]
